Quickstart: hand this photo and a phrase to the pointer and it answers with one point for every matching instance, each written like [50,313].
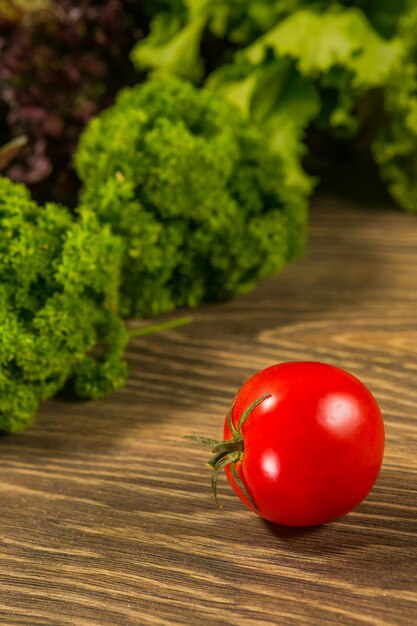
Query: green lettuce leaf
[319,42]
[171,47]
[395,148]
[282,103]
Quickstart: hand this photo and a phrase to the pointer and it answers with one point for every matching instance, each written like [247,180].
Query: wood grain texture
[106,515]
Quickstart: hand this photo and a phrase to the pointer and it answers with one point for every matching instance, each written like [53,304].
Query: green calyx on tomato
[229,451]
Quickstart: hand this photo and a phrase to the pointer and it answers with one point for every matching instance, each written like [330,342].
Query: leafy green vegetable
[174,43]
[395,148]
[298,62]
[201,204]
[178,53]
[281,102]
[179,26]
[58,306]
[319,42]
[281,78]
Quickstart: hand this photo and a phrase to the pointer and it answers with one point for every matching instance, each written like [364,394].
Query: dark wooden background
[106,516]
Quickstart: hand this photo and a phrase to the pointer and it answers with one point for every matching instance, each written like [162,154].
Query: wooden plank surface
[106,515]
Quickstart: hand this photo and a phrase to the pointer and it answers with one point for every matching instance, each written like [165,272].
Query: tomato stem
[249,410]
[232,445]
[230,451]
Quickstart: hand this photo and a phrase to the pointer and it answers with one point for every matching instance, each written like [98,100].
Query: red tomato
[310,447]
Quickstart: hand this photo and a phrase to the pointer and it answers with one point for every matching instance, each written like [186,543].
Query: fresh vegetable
[58,306]
[303,443]
[182,31]
[179,29]
[395,148]
[200,202]
[288,65]
[302,64]
[62,61]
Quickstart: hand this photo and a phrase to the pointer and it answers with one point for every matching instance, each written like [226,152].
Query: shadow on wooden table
[383,518]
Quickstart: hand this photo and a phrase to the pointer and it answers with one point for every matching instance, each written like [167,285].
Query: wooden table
[106,514]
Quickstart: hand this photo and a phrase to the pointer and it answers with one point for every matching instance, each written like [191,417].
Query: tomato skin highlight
[313,449]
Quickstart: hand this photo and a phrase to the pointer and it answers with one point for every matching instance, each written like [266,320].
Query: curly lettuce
[285,65]
[280,80]
[59,321]
[200,202]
